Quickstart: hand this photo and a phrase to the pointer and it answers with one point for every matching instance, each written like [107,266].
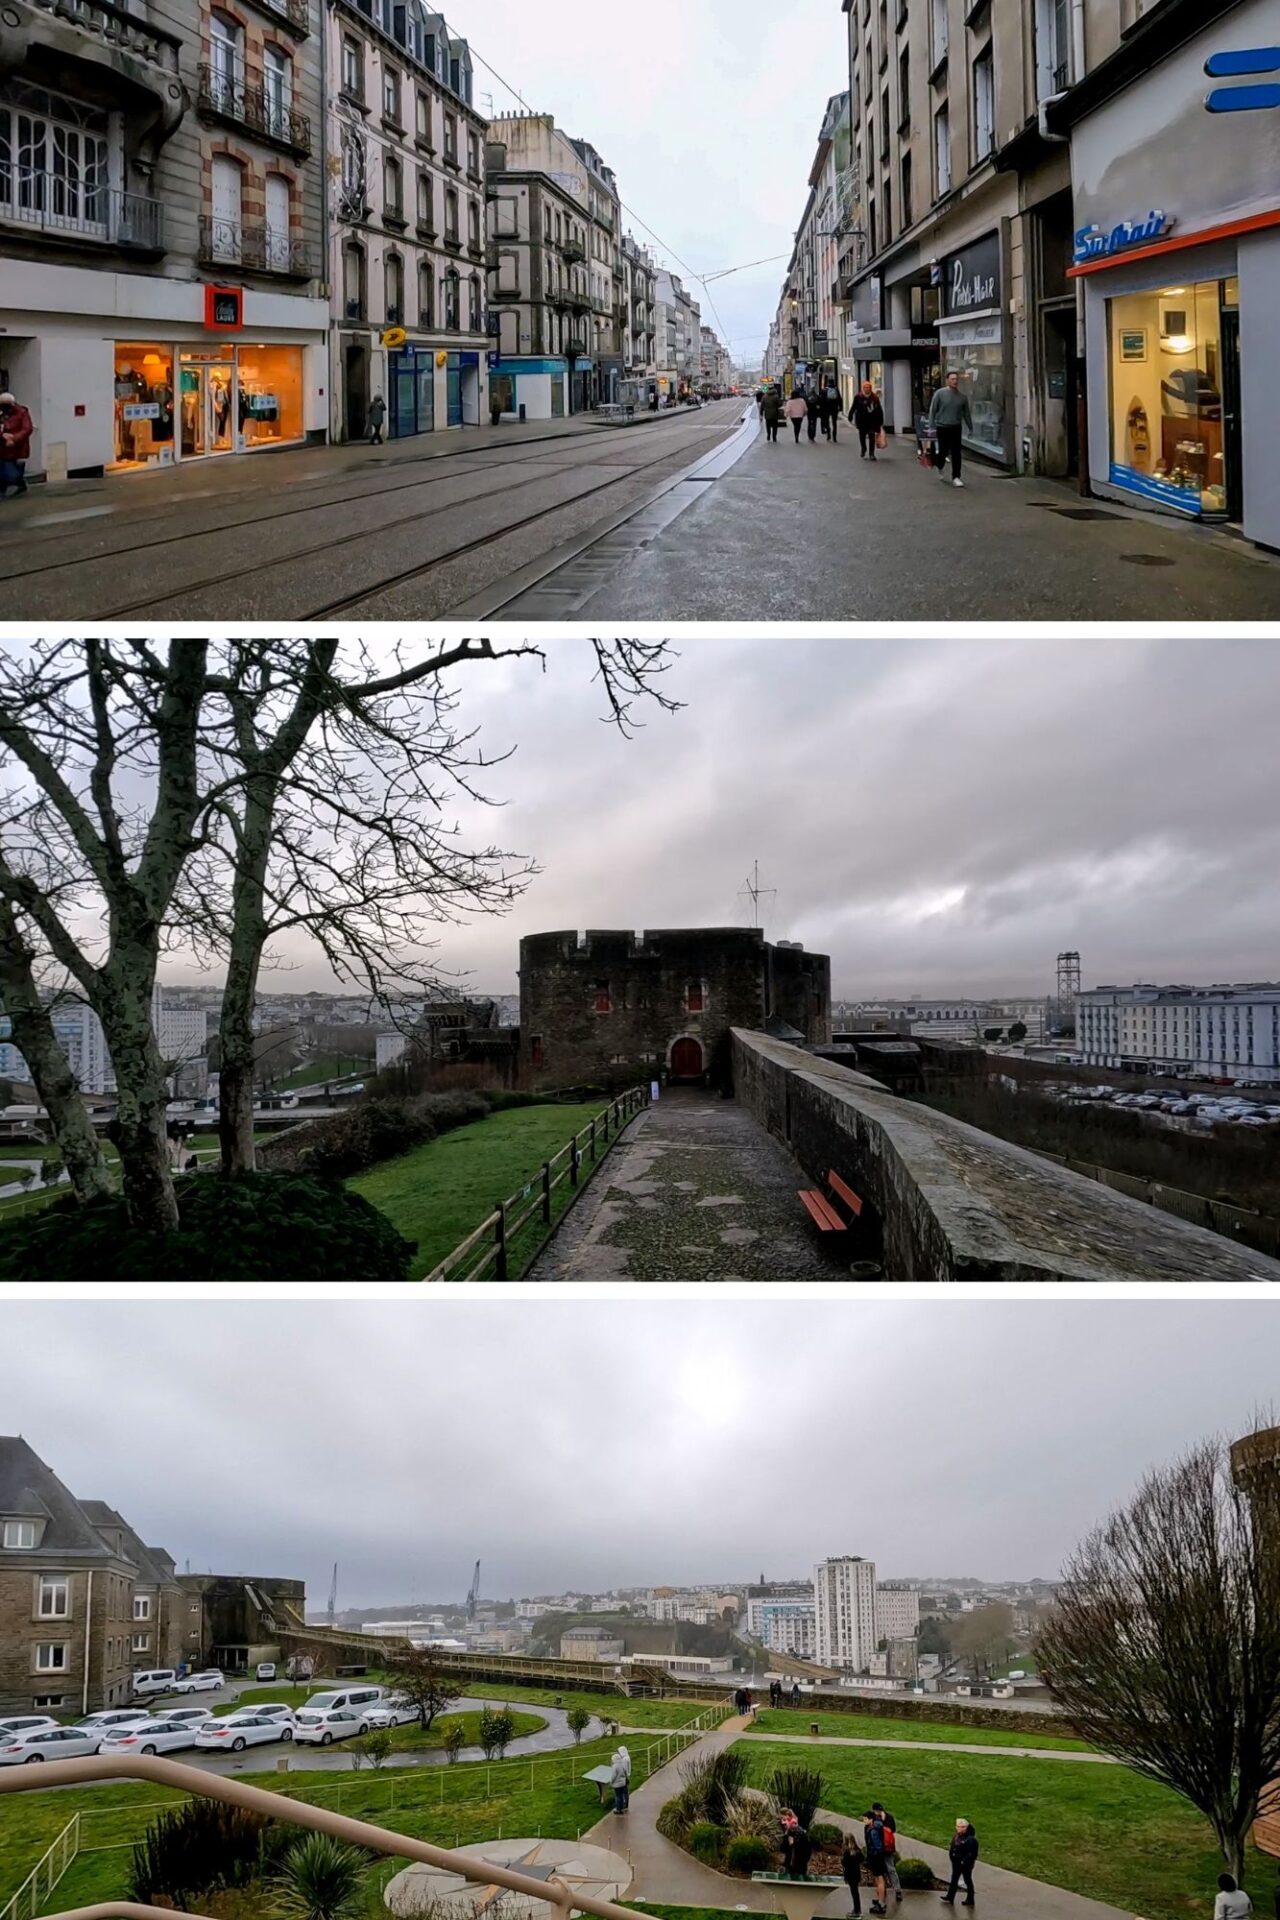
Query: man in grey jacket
[949,415]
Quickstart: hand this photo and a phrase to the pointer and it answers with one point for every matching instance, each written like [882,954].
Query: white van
[158,1680]
[336,1699]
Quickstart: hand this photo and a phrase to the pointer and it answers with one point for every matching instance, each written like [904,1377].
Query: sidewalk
[938,1746]
[665,1873]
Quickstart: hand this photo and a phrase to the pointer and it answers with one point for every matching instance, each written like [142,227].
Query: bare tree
[419,1679]
[32,1031]
[1164,1647]
[985,1636]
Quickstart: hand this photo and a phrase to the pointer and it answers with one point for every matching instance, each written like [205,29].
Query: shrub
[705,1841]
[823,1834]
[455,1738]
[799,1788]
[379,1128]
[577,1720]
[712,1781]
[202,1847]
[257,1226]
[497,1730]
[916,1874]
[321,1879]
[746,1853]
[674,1820]
[750,1817]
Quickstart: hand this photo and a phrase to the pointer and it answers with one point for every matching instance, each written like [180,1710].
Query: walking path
[664,1873]
[914,1746]
[694,1190]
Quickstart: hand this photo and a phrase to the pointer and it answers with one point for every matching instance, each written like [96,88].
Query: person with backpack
[964,1853]
[877,1866]
[851,1863]
[890,1851]
[813,411]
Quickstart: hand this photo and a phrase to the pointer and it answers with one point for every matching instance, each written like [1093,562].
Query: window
[426,295]
[426,201]
[603,1000]
[19,1533]
[473,155]
[475,320]
[392,187]
[942,150]
[51,1657]
[536,1057]
[693,997]
[984,105]
[226,61]
[142,1606]
[451,137]
[423,127]
[393,288]
[50,1700]
[277,91]
[278,250]
[451,301]
[907,214]
[352,287]
[1053,48]
[904,90]
[52,1601]
[473,223]
[141,1643]
[450,214]
[391,95]
[939,33]
[884,124]
[352,69]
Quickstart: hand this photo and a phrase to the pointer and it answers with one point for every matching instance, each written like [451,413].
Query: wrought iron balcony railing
[224,243]
[73,209]
[239,95]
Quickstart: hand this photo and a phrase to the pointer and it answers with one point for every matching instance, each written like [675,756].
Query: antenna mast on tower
[755,893]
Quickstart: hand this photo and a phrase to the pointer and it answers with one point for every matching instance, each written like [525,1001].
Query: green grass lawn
[329,1066]
[868,1726]
[438,1193]
[629,1713]
[1101,1831]
[452,1805]
[415,1740]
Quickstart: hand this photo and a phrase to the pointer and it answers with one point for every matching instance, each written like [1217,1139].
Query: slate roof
[30,1489]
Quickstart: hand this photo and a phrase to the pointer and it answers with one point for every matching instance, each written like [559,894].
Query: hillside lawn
[628,1713]
[1105,1832]
[451,1805]
[870,1726]
[438,1193]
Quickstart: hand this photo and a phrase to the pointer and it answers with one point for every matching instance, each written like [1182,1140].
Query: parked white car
[321,1726]
[273,1710]
[391,1712]
[240,1730]
[27,1722]
[207,1682]
[47,1743]
[112,1719]
[189,1716]
[155,1736]
[266,1669]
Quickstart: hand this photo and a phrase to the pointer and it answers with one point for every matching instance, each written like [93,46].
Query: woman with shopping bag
[867,415]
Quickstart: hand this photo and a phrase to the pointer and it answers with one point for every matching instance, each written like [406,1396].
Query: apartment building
[160,230]
[407,237]
[83,1603]
[638,295]
[606,274]
[897,1611]
[783,1624]
[677,336]
[1220,1032]
[807,325]
[180,1035]
[844,1596]
[967,211]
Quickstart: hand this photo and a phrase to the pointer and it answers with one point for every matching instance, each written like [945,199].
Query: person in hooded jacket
[625,1758]
[771,409]
[964,1852]
[867,415]
[813,411]
[618,1781]
[16,429]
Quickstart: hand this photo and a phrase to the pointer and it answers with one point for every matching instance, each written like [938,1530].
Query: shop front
[531,384]
[176,401]
[1181,283]
[973,342]
[411,395]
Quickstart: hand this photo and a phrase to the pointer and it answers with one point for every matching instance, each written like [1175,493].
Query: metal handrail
[60,1854]
[504,1227]
[299,1813]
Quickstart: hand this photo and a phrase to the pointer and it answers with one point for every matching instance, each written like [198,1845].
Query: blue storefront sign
[1092,243]
[1163,492]
[1235,66]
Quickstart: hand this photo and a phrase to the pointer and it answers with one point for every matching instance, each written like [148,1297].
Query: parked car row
[1207,1109]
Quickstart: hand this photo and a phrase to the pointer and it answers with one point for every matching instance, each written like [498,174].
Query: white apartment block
[783,1625]
[180,1035]
[897,1611]
[844,1594]
[1219,1032]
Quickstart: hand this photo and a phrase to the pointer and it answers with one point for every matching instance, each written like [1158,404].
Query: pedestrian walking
[760,400]
[795,1685]
[790,1828]
[796,412]
[867,415]
[377,414]
[618,1781]
[964,1853]
[949,415]
[812,412]
[824,411]
[625,1758]
[16,429]
[851,1862]
[1232,1903]
[890,1851]
[771,408]
[835,407]
[873,1841]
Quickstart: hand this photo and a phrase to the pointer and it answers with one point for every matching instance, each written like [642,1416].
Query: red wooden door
[686,1060]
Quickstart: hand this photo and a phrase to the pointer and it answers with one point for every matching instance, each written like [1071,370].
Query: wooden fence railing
[495,1234]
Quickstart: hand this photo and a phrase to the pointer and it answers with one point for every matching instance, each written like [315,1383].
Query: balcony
[293,11]
[223,243]
[239,97]
[137,62]
[44,203]
[572,254]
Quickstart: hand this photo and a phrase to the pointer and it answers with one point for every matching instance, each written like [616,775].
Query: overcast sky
[940,816]
[707,112]
[566,1442]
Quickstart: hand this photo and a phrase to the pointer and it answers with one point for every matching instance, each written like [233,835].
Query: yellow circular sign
[394,336]
[442,359]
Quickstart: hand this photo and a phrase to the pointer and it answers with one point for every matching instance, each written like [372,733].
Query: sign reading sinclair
[1091,243]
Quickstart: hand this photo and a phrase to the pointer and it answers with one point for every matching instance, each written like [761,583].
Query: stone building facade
[232,1621]
[83,1603]
[606,1005]
[406,151]
[161,214]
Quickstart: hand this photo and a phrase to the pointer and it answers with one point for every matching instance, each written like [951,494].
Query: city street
[686,516]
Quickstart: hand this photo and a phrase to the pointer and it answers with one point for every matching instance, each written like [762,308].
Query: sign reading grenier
[971,278]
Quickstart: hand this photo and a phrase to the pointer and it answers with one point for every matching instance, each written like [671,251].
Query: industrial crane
[473,1597]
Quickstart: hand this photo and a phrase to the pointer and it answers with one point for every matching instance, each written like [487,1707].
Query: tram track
[420,570]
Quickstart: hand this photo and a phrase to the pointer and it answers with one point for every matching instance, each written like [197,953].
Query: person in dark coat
[377,414]
[771,408]
[867,415]
[833,407]
[851,1867]
[964,1852]
[801,1848]
[877,1866]
[16,429]
[813,410]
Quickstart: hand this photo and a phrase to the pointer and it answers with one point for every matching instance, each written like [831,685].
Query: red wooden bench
[821,1210]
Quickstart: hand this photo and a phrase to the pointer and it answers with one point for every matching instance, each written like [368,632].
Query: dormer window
[19,1534]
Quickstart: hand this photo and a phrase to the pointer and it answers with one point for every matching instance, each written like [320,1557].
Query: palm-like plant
[320,1879]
